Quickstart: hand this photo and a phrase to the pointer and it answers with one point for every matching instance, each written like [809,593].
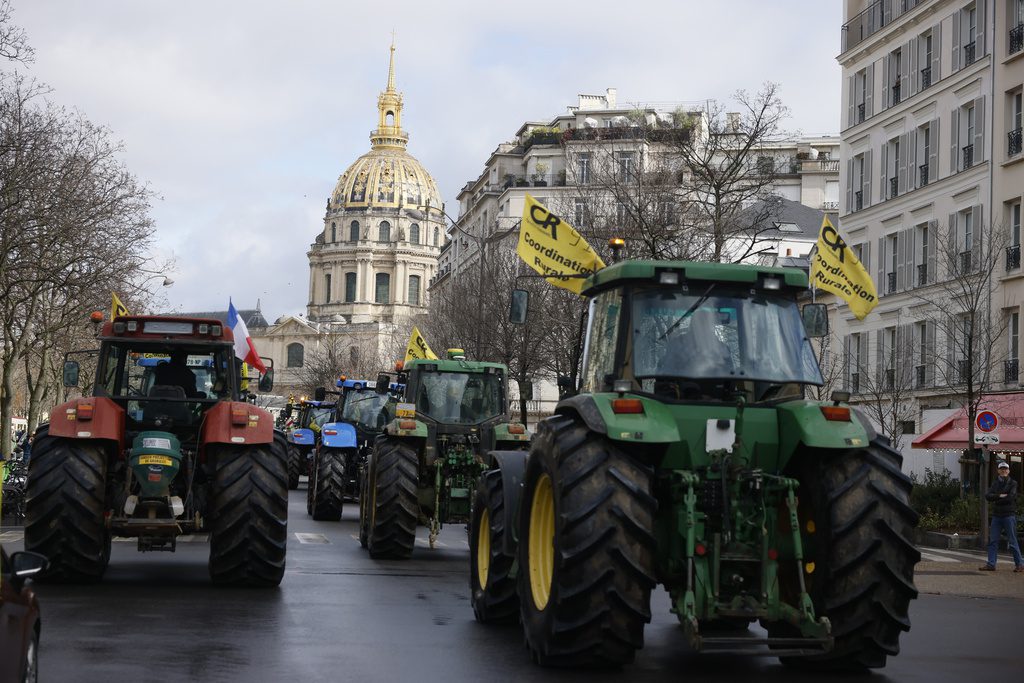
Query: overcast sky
[241,114]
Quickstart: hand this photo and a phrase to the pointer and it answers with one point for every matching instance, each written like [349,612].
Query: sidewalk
[955,572]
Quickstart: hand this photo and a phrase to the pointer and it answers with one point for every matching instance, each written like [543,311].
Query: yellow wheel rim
[483,548]
[542,541]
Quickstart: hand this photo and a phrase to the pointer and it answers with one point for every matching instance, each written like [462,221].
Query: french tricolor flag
[244,348]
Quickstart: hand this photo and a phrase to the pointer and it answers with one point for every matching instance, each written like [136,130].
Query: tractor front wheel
[65,506]
[249,514]
[393,505]
[586,548]
[327,489]
[857,527]
[492,585]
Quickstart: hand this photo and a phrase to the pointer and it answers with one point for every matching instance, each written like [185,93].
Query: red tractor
[166,445]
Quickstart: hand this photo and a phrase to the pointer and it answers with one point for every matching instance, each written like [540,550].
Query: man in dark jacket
[1003,496]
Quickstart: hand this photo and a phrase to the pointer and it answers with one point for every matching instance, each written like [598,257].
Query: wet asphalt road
[340,616]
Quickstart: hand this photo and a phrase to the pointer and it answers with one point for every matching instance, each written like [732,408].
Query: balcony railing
[1013,257]
[858,200]
[1013,142]
[1011,371]
[860,113]
[926,77]
[855,382]
[923,171]
[922,274]
[856,30]
[966,261]
[896,93]
[890,283]
[919,376]
[894,188]
[969,53]
[968,156]
[1016,38]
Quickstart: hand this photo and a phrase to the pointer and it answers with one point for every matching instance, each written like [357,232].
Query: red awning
[952,432]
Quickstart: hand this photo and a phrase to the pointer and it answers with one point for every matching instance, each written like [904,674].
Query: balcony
[920,378]
[1013,257]
[1016,38]
[1011,371]
[969,53]
[968,156]
[922,274]
[923,172]
[890,287]
[926,77]
[860,113]
[896,93]
[1013,142]
[858,200]
[966,262]
[862,26]
[894,188]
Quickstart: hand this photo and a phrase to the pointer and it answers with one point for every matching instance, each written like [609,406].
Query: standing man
[1003,496]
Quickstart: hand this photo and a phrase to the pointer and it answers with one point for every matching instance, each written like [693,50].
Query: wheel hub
[483,547]
[542,542]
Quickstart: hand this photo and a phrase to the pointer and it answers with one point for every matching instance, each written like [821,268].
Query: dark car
[19,616]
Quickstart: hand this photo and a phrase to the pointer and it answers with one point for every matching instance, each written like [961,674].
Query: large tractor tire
[393,504]
[857,527]
[327,485]
[65,507]
[249,514]
[492,585]
[364,502]
[586,548]
[296,464]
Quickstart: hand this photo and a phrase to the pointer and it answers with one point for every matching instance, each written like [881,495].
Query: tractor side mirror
[319,394]
[267,380]
[518,306]
[383,383]
[71,370]
[25,564]
[815,317]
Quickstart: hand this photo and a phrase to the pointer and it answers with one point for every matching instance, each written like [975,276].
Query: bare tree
[889,381]
[14,44]
[831,362]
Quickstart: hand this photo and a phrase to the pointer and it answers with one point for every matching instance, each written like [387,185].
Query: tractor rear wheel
[364,498]
[327,489]
[65,507]
[249,514]
[859,558]
[586,548]
[393,505]
[492,586]
[295,463]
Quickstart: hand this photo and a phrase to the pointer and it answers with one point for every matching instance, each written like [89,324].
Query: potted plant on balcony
[540,169]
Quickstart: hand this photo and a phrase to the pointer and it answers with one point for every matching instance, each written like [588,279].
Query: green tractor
[425,466]
[691,458]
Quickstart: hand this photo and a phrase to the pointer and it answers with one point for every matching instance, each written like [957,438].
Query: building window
[327,288]
[893,245]
[437,237]
[1016,37]
[896,68]
[1013,136]
[350,287]
[583,169]
[626,166]
[908,427]
[579,213]
[384,234]
[861,91]
[414,290]
[334,231]
[972,32]
[926,61]
[382,284]
[968,156]
[922,264]
[1012,365]
[924,134]
[414,233]
[892,172]
[296,355]
[1013,249]
[855,363]
[353,232]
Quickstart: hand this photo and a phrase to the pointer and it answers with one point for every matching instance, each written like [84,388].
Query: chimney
[610,96]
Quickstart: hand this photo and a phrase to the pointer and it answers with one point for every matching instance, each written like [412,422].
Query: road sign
[987,421]
[986,438]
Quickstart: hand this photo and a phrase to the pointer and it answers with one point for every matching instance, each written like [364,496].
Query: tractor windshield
[315,418]
[459,397]
[720,334]
[366,408]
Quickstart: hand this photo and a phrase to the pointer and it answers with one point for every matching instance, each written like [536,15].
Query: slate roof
[253,317]
[808,220]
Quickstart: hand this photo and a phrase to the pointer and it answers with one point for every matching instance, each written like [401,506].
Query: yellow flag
[550,246]
[418,348]
[116,307]
[836,269]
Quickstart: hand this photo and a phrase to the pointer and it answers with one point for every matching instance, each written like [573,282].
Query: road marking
[961,554]
[929,557]
[311,538]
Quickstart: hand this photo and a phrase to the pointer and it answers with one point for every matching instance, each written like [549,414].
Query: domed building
[383,230]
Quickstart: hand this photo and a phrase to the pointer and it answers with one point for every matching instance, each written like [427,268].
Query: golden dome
[387,176]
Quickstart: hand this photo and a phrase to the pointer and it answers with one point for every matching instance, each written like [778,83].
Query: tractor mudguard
[502,434]
[338,435]
[394,428]
[236,422]
[803,422]
[656,424]
[512,465]
[89,418]
[303,437]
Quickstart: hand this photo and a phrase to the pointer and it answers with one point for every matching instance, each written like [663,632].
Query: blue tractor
[360,414]
[302,440]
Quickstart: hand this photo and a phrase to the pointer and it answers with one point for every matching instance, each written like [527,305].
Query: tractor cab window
[366,408]
[459,397]
[730,338]
[602,334]
[315,418]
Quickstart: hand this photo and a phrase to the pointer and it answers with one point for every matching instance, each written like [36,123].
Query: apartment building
[931,176]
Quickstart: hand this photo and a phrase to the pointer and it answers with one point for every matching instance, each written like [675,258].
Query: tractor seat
[177,412]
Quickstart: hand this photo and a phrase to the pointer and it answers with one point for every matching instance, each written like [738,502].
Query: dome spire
[389,131]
